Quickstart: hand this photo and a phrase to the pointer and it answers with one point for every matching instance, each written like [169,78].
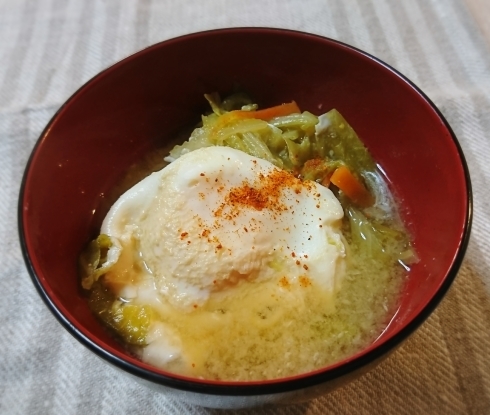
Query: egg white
[193,249]
[198,241]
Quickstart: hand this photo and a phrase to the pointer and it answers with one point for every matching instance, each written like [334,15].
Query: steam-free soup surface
[286,314]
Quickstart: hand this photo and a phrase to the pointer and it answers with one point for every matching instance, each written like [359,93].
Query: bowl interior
[141,103]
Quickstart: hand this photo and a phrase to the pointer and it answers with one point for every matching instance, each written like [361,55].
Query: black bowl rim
[279,385]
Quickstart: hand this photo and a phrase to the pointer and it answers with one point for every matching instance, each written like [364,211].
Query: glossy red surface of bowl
[139,104]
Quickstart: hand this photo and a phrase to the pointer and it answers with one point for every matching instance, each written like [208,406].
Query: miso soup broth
[296,315]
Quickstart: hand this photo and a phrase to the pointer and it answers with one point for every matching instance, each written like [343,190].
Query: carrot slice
[277,111]
[265,114]
[343,178]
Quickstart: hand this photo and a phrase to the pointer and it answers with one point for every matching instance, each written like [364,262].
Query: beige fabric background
[48,48]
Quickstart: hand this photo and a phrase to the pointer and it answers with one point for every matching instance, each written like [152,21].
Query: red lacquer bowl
[142,102]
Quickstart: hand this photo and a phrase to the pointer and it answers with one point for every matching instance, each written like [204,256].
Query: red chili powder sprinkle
[264,193]
[304,281]
[283,282]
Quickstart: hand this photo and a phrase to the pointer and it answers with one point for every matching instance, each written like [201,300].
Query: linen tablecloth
[49,48]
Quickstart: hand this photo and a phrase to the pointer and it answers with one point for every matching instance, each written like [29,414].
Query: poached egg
[212,221]
[217,216]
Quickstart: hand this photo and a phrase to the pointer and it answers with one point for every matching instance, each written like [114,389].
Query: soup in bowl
[245,319]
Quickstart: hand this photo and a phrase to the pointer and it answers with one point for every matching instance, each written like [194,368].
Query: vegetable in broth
[324,149]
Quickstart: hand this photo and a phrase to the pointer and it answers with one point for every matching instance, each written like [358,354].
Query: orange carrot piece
[266,114]
[351,186]
[277,111]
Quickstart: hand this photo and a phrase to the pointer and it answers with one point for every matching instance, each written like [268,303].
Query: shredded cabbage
[129,321]
[93,260]
[284,141]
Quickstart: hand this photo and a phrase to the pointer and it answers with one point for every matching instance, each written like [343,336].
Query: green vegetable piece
[298,152]
[238,100]
[380,242]
[257,148]
[92,260]
[100,301]
[132,321]
[339,141]
[305,121]
[233,102]
[366,235]
[215,103]
[318,169]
